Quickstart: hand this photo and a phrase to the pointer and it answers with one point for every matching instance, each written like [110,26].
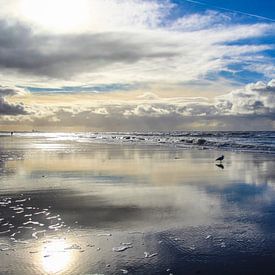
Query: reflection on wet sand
[54,257]
[221,166]
[71,208]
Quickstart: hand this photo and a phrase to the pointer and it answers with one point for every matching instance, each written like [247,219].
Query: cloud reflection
[176,203]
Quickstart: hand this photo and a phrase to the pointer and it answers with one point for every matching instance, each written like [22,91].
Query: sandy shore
[79,208]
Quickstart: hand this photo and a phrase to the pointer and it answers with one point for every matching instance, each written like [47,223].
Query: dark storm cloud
[7,108]
[65,55]
[11,91]
[11,109]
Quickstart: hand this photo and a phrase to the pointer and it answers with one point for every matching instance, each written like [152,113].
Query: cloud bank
[252,107]
[7,108]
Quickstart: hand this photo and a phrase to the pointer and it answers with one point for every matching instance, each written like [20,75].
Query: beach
[137,137]
[69,206]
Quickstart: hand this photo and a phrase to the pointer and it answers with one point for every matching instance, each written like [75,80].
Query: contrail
[230,10]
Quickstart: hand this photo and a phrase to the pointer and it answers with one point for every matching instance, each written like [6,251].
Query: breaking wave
[260,141]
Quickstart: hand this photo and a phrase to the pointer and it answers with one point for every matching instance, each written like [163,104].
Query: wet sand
[80,208]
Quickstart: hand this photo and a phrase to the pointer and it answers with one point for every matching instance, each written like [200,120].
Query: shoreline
[186,140]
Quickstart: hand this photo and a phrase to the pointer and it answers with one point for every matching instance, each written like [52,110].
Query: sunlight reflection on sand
[54,256]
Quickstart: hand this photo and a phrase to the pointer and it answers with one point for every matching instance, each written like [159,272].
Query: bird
[220,158]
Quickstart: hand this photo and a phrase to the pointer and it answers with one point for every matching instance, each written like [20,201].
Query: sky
[137,65]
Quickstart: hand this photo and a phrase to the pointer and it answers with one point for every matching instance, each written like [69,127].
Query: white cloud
[263,67]
[71,16]
[100,111]
[148,96]
[255,98]
[195,22]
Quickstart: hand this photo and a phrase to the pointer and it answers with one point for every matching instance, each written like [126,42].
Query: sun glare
[56,15]
[55,258]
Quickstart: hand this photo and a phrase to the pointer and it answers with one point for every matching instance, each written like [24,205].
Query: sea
[244,141]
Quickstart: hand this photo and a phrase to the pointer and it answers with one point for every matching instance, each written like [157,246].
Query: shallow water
[69,207]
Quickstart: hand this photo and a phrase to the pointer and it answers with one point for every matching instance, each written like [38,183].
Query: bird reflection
[220,165]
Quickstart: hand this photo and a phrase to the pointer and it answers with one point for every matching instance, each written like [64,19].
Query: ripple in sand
[121,248]
[4,232]
[73,246]
[104,235]
[148,255]
[129,244]
[22,200]
[53,217]
[56,226]
[4,203]
[136,232]
[33,222]
[20,241]
[34,234]
[40,212]
[5,247]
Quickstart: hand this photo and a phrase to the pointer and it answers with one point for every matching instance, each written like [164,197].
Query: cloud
[134,41]
[129,46]
[68,55]
[254,99]
[7,108]
[265,67]
[249,108]
[96,15]
[12,91]
[148,96]
[195,22]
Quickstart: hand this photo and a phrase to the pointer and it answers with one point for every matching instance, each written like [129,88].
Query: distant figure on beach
[11,133]
[220,159]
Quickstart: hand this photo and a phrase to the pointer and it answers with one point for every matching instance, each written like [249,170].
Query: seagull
[220,158]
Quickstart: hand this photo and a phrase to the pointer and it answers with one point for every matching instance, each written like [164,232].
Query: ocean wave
[260,141]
